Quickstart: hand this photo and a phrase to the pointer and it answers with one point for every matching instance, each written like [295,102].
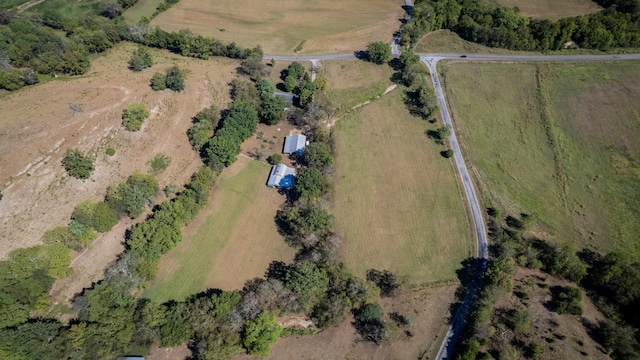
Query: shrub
[140,59]
[104,217]
[158,82]
[159,163]
[111,151]
[175,79]
[566,300]
[133,116]
[77,165]
[378,52]
[274,159]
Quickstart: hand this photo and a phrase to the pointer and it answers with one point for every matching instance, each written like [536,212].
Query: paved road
[470,57]
[457,324]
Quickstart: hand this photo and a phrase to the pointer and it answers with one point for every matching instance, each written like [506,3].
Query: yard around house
[231,241]
[557,141]
[319,26]
[397,201]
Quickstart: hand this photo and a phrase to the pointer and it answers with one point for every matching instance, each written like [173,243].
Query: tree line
[32,48]
[614,27]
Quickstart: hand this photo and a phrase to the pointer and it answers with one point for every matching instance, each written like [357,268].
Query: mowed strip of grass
[281,26]
[397,201]
[231,241]
[558,141]
[550,9]
[142,8]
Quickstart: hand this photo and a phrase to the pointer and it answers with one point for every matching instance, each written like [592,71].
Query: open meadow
[550,9]
[319,26]
[231,241]
[397,200]
[557,141]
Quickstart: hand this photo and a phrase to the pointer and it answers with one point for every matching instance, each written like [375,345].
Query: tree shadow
[361,55]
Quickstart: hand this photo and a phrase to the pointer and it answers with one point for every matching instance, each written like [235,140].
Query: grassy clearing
[140,9]
[550,9]
[352,82]
[70,8]
[446,41]
[231,241]
[397,202]
[556,141]
[280,26]
[8,4]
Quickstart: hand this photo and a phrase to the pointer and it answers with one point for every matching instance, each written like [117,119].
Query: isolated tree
[175,78]
[378,52]
[274,159]
[77,164]
[133,116]
[140,59]
[261,333]
[295,70]
[158,81]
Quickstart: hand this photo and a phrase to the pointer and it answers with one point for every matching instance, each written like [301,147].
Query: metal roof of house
[281,176]
[294,143]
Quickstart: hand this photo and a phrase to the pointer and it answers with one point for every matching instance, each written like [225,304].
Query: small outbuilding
[282,176]
[294,144]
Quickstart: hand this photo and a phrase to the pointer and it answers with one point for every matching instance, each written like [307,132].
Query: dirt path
[27,5]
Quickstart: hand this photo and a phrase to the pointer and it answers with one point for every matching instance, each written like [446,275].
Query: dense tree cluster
[203,125]
[497,26]
[297,80]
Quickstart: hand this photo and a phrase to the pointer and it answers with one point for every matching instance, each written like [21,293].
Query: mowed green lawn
[558,141]
[397,201]
[280,26]
[232,240]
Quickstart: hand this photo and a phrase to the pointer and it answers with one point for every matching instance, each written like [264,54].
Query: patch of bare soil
[429,308]
[560,336]
[177,353]
[38,125]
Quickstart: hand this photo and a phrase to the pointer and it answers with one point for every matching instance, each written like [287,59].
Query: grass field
[280,26]
[231,241]
[351,82]
[140,9]
[70,8]
[397,202]
[550,9]
[8,4]
[446,41]
[556,141]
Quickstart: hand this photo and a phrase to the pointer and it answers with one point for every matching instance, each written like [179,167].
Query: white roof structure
[294,144]
[282,176]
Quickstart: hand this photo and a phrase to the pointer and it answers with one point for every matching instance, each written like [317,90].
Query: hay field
[37,126]
[558,141]
[550,9]
[232,240]
[397,201]
[141,8]
[280,26]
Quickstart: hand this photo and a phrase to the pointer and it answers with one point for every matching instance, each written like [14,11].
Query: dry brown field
[550,9]
[280,26]
[37,126]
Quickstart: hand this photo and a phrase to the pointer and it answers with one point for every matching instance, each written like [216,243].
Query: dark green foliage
[468,349]
[272,109]
[305,90]
[421,101]
[370,324]
[408,58]
[308,281]
[618,339]
[503,27]
[298,222]
[132,197]
[159,163]
[245,91]
[133,116]
[567,300]
[290,83]
[222,149]
[177,327]
[203,124]
[295,70]
[104,217]
[260,333]
[310,184]
[62,235]
[447,153]
[387,281]
[77,164]
[175,79]
[110,151]
[274,159]
[318,155]
[378,52]
[158,81]
[140,59]
[252,65]
[331,311]
[186,43]
[39,339]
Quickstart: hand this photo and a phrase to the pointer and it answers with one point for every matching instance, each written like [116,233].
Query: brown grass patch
[550,9]
[280,26]
[428,307]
